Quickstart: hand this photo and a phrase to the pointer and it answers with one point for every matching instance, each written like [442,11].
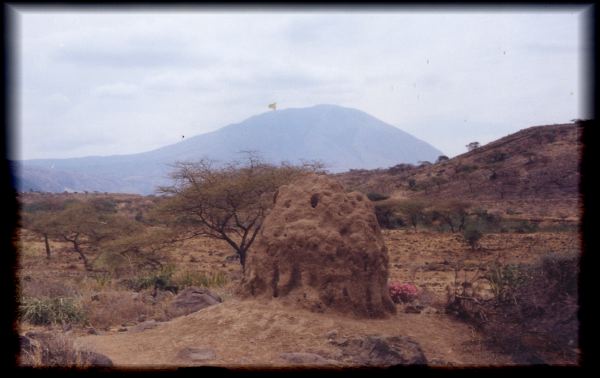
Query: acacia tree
[36,222]
[227,202]
[86,226]
[413,211]
[136,251]
[453,213]
[472,146]
[36,216]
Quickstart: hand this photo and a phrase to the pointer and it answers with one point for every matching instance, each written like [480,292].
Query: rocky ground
[267,334]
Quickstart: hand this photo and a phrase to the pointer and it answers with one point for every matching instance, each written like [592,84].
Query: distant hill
[535,169]
[342,138]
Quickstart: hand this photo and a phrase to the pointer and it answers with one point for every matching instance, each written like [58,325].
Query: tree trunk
[451,224]
[47,244]
[242,254]
[86,263]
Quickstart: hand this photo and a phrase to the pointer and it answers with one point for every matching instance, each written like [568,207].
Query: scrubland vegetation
[100,262]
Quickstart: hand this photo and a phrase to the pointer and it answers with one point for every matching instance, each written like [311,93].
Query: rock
[483,290]
[430,310]
[413,308]
[122,329]
[27,345]
[320,248]
[331,334]
[60,352]
[92,331]
[42,337]
[439,362]
[190,300]
[96,359]
[197,354]
[162,295]
[383,351]
[149,324]
[307,359]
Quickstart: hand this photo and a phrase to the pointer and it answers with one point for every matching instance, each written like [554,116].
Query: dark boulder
[190,300]
[381,351]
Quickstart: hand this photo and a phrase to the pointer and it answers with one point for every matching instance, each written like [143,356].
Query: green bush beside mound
[46,311]
[533,314]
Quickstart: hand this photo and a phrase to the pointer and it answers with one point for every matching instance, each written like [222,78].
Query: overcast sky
[102,82]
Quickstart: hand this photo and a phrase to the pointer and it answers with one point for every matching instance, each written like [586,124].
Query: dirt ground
[428,259]
[254,334]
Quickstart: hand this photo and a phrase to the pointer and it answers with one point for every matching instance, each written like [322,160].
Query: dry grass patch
[34,287]
[55,349]
[114,308]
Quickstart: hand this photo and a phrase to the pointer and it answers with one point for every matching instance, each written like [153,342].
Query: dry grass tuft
[113,308]
[55,350]
[35,287]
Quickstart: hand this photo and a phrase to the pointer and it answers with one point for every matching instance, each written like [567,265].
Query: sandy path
[251,333]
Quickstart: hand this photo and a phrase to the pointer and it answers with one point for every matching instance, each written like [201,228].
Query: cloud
[549,47]
[115,90]
[58,100]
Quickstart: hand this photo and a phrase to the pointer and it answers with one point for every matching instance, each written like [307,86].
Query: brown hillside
[526,170]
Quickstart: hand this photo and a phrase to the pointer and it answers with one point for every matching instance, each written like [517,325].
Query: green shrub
[195,278]
[485,221]
[373,196]
[519,226]
[466,168]
[105,205]
[160,279]
[472,235]
[441,159]
[412,212]
[103,279]
[45,311]
[496,157]
[387,217]
[561,227]
[526,227]
[452,213]
[533,315]
[505,280]
[44,205]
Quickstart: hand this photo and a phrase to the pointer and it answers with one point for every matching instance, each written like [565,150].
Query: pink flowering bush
[403,292]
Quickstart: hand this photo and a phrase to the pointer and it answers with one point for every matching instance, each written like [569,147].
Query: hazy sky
[108,82]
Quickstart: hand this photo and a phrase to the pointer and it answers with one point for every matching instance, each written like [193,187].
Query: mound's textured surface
[322,249]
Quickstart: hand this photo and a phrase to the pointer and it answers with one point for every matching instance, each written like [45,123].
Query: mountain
[342,138]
